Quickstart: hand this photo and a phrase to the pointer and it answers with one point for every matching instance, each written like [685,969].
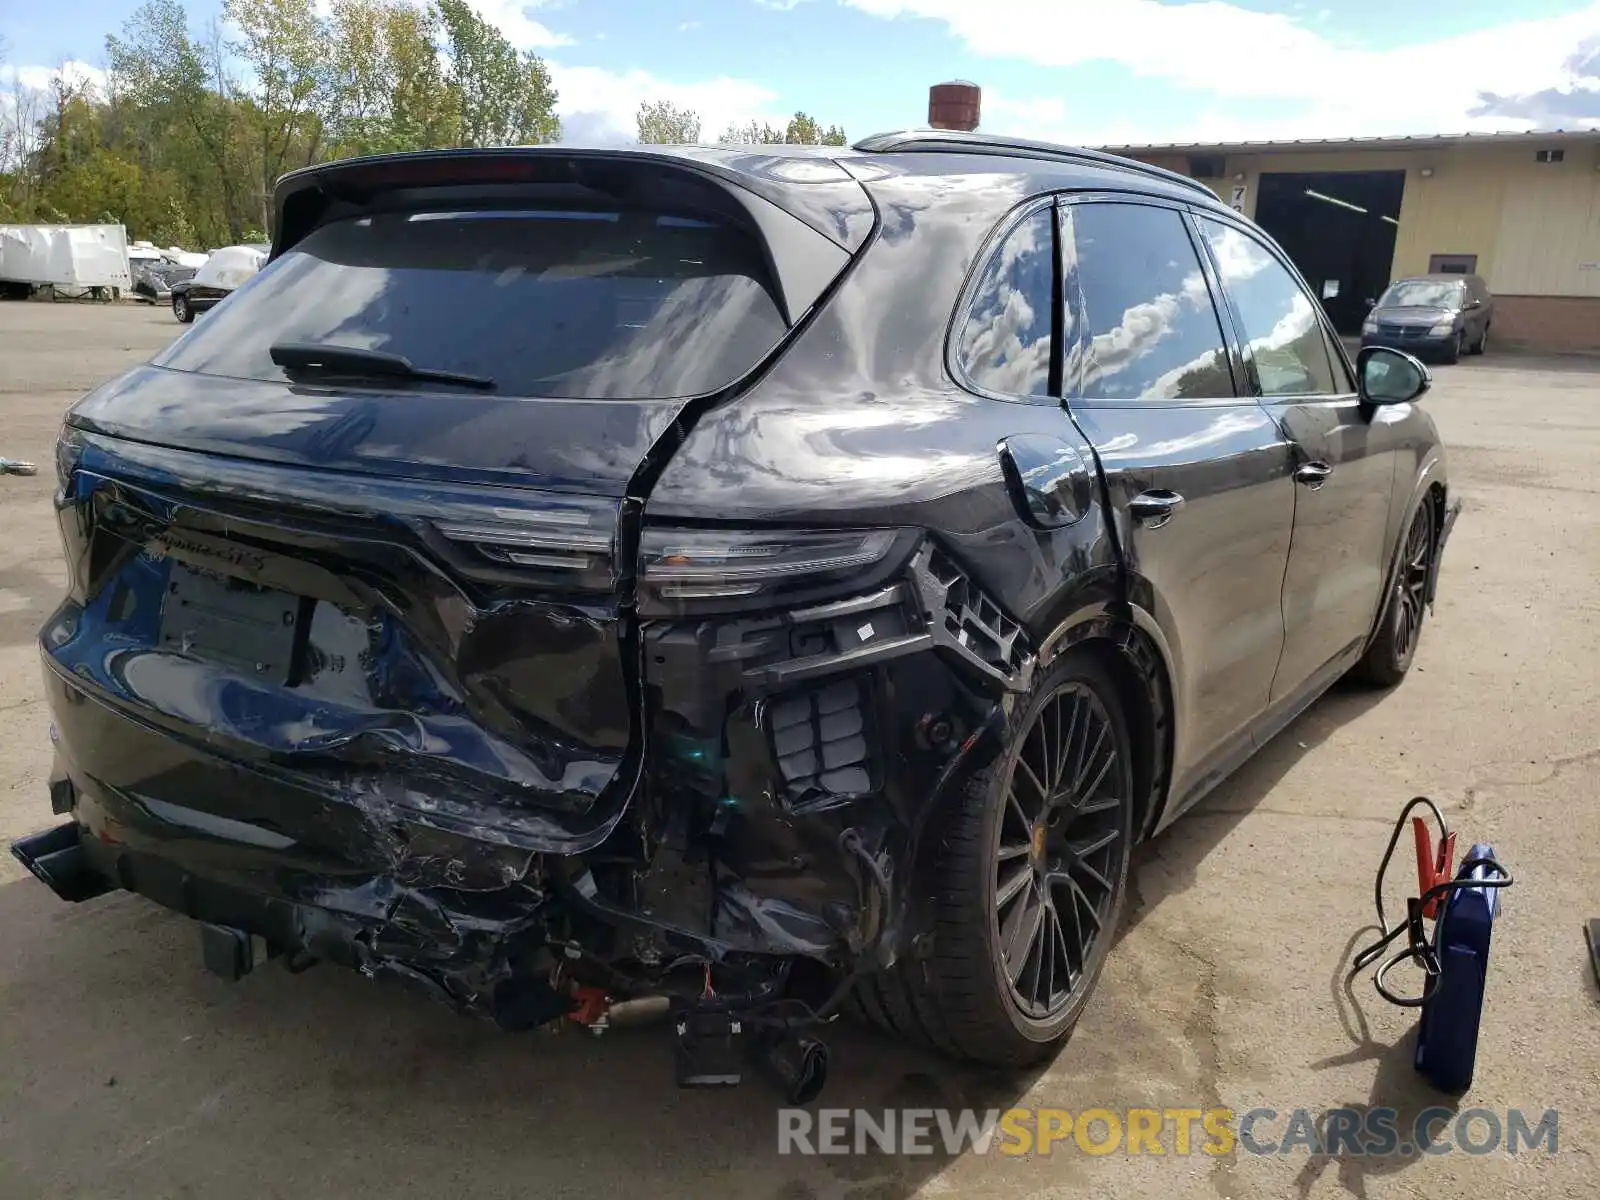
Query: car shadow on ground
[109,1020]
[107,1015]
[1166,865]
[1417,1112]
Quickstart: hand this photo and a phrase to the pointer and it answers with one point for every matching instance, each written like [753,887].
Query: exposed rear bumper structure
[450,947]
[792,763]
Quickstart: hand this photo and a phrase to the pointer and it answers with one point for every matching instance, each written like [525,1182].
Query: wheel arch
[1128,642]
[1431,487]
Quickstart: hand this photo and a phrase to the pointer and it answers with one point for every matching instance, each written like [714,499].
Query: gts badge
[201,551]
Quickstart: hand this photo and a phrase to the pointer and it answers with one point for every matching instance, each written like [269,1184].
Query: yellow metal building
[1520,209]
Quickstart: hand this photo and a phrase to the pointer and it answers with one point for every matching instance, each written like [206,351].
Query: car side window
[1277,318]
[1150,327]
[1004,346]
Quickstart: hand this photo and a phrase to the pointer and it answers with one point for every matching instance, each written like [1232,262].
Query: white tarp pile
[229,267]
[149,252]
[67,256]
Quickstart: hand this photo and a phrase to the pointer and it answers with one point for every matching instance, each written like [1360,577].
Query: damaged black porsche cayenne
[783,580]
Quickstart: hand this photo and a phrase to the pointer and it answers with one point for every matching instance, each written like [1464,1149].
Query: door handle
[1155,509]
[1312,474]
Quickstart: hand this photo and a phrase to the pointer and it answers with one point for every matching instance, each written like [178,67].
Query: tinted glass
[1005,343]
[1424,293]
[1152,330]
[592,304]
[1279,319]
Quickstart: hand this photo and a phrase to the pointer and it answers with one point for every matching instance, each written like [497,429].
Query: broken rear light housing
[747,568]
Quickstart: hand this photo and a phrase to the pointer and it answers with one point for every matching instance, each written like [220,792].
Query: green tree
[422,109]
[665,124]
[752,132]
[801,131]
[193,127]
[804,131]
[504,98]
[387,90]
[284,44]
[183,110]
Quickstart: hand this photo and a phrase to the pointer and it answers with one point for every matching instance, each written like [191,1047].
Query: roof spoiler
[809,228]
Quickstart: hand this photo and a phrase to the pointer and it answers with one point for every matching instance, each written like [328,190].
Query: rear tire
[1029,882]
[1389,658]
[181,309]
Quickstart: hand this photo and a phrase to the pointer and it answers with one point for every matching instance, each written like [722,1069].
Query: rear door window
[1151,331]
[595,304]
[1005,343]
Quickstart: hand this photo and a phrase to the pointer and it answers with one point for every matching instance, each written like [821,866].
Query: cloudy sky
[1090,71]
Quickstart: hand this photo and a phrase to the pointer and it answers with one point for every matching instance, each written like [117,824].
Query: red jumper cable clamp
[1455,959]
[1431,870]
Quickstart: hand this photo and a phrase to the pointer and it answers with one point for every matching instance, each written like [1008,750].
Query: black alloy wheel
[1411,588]
[1390,656]
[1030,866]
[1061,851]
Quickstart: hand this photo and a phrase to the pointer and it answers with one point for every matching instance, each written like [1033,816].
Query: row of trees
[183,141]
[665,124]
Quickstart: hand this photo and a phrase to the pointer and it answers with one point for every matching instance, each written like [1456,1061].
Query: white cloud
[521,30]
[685,26]
[40,79]
[599,106]
[1238,54]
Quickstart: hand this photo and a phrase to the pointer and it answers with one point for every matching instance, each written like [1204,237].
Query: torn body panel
[399,667]
[407,758]
[798,756]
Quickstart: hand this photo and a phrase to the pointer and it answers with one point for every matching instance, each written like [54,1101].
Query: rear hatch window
[598,304]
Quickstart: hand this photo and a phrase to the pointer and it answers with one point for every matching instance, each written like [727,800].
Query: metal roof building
[1520,209]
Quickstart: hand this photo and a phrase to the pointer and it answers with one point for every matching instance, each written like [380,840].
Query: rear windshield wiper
[359,362]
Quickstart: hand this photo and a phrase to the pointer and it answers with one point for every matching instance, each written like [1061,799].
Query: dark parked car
[223,273]
[154,278]
[1441,315]
[779,579]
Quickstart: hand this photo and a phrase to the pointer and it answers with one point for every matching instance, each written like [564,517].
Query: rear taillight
[680,567]
[570,545]
[69,453]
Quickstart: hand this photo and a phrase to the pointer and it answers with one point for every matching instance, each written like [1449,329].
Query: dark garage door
[1339,228]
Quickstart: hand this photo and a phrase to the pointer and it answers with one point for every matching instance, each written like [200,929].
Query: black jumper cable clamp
[1455,960]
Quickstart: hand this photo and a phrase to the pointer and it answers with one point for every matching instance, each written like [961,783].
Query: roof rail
[958,141]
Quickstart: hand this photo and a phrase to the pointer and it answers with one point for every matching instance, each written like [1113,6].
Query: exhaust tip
[56,859]
[797,1066]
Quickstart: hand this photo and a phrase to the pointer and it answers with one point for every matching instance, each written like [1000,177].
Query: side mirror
[1389,376]
[1474,303]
